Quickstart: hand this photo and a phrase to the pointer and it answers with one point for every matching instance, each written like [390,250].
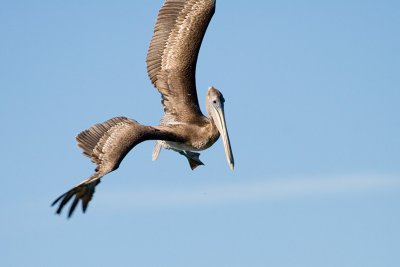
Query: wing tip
[82,192]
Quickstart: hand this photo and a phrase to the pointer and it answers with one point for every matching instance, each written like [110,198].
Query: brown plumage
[173,52]
[171,65]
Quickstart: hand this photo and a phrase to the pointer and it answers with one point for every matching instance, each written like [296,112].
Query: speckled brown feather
[172,55]
[106,144]
[171,65]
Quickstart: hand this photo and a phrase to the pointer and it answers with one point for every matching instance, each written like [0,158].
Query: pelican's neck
[209,112]
[211,126]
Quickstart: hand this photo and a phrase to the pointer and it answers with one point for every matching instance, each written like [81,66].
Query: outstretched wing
[172,55]
[106,144]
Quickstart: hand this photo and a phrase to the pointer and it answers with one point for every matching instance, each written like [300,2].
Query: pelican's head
[215,107]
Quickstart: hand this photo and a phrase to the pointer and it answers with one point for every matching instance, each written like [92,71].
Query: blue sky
[312,93]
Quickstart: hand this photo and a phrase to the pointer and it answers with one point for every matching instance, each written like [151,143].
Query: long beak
[219,119]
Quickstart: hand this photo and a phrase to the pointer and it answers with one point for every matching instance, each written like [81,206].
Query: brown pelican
[171,66]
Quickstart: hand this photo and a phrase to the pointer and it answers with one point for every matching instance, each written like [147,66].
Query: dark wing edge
[99,143]
[106,144]
[174,48]
[82,192]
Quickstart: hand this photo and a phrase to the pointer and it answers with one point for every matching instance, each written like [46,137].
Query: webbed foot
[193,158]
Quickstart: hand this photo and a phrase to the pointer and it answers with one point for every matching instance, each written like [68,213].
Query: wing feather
[172,55]
[106,144]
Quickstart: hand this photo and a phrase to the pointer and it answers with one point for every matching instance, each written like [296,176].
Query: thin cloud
[279,189]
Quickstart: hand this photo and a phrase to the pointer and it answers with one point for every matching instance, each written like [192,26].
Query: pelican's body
[197,137]
[171,65]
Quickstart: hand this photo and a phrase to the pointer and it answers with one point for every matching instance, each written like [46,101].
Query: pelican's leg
[192,157]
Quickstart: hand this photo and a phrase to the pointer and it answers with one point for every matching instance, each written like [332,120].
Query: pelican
[171,66]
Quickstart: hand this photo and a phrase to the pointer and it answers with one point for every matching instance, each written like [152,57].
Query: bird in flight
[171,66]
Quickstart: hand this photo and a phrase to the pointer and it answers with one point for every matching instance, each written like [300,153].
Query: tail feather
[156,150]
